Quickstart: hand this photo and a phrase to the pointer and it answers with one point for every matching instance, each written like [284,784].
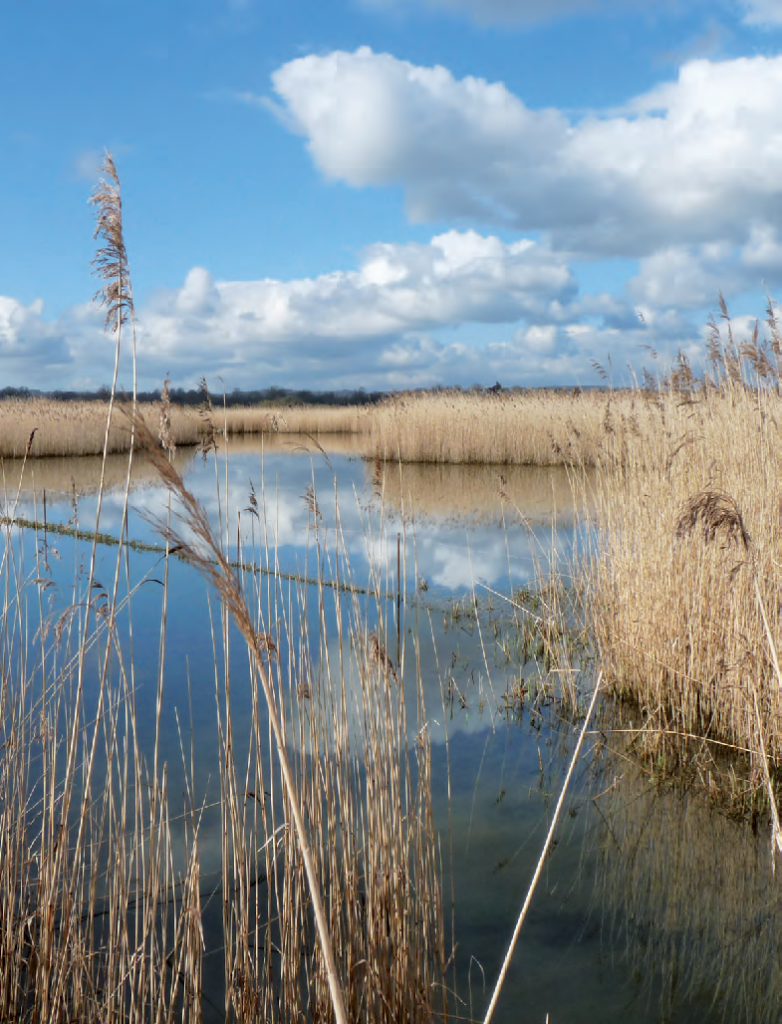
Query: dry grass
[331,900]
[301,419]
[96,923]
[377,951]
[101,906]
[77,428]
[102,919]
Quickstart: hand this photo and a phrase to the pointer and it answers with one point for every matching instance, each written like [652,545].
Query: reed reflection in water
[63,477]
[477,494]
[691,895]
[417,490]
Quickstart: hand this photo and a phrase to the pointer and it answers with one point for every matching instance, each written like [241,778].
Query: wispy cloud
[524,12]
[767,13]
[87,164]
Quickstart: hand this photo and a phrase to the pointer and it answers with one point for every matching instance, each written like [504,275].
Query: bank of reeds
[533,428]
[297,419]
[536,428]
[96,920]
[76,428]
[101,894]
[685,579]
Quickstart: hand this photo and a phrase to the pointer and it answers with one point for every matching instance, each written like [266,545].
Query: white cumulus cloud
[691,161]
[373,326]
[398,290]
[27,342]
[463,308]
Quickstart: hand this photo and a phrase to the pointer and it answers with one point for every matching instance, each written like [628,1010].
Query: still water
[651,907]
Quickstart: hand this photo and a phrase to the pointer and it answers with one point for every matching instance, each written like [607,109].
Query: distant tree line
[277,397]
[273,396]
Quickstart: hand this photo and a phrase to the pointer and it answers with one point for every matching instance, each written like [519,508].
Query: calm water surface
[651,907]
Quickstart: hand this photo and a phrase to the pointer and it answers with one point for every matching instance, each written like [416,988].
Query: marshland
[301,706]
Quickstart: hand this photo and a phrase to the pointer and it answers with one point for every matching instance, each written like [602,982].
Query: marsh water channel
[652,905]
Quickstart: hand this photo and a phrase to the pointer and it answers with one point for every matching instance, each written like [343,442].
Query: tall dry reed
[535,428]
[76,428]
[96,920]
[65,428]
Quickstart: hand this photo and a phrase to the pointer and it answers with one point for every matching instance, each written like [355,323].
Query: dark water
[651,906]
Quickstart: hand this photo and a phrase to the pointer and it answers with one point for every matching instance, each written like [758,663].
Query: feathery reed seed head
[715,512]
[111,260]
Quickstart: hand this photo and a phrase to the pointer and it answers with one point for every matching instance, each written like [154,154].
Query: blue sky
[388,193]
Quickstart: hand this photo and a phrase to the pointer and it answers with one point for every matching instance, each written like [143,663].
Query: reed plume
[714,512]
[111,260]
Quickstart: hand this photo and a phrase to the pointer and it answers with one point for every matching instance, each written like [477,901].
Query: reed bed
[346,805]
[296,419]
[77,428]
[96,921]
[102,892]
[330,899]
[684,586]
[537,428]
[533,428]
